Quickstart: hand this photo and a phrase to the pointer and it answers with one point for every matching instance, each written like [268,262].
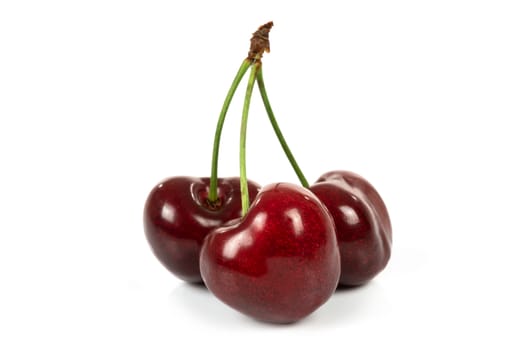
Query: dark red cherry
[278,263]
[362,224]
[178,216]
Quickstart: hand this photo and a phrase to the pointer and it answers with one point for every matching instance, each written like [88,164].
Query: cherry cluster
[275,253]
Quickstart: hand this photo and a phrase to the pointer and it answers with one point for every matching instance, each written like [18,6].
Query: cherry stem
[244,190]
[276,128]
[213,182]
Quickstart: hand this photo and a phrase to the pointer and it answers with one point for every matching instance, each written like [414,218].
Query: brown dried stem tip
[260,42]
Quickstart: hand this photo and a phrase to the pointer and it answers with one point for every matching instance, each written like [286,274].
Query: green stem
[243,133]
[276,128]
[213,182]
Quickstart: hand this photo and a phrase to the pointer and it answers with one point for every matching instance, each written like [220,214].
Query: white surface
[100,100]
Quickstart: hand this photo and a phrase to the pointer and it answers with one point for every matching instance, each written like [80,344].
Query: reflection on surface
[233,245]
[243,240]
[349,215]
[168,213]
[206,221]
[296,221]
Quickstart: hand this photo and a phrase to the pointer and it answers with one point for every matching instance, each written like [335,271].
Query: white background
[100,100]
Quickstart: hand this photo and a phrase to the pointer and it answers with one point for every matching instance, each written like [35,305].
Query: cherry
[362,224]
[178,215]
[279,262]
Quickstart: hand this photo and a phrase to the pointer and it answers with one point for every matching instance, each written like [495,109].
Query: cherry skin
[362,224]
[279,262]
[178,216]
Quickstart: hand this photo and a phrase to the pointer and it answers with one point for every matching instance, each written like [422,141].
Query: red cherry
[362,224]
[278,263]
[178,216]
